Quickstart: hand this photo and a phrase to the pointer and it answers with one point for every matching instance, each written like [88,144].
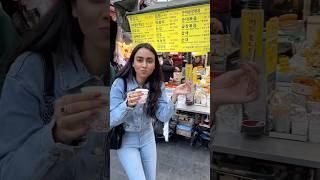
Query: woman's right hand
[133,97]
[237,86]
[74,114]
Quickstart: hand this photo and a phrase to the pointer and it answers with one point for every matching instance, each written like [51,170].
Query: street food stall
[276,136]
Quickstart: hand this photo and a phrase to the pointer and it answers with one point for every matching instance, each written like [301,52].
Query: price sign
[251,30]
[272,45]
[184,29]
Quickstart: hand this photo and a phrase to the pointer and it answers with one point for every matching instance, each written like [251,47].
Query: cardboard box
[183,133]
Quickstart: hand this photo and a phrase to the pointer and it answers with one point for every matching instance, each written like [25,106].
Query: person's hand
[230,78]
[177,69]
[217,26]
[183,89]
[133,97]
[238,86]
[74,114]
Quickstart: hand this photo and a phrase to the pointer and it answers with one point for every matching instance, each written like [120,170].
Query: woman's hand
[74,114]
[238,86]
[228,79]
[133,97]
[182,89]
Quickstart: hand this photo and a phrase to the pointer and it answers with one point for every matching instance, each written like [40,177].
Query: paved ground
[176,161]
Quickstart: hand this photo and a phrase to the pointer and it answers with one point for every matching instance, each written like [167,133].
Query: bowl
[252,127]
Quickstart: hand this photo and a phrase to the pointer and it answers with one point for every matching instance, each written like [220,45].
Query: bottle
[190,97]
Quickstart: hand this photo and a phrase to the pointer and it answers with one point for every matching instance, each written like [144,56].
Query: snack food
[303,85]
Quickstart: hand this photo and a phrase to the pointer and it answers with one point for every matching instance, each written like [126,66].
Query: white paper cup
[100,123]
[144,97]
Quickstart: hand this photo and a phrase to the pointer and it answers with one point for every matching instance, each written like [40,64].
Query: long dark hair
[58,31]
[155,79]
[113,37]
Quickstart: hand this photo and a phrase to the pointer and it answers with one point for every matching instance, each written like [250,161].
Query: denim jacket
[135,119]
[27,148]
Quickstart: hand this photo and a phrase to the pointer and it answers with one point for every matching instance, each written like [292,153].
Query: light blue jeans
[138,155]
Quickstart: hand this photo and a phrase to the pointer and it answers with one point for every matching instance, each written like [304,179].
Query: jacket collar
[133,84]
[72,72]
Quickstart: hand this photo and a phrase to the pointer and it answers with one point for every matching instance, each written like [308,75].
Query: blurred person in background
[26,14]
[277,8]
[17,18]
[9,40]
[177,59]
[198,61]
[222,12]
[45,120]
[168,68]
[216,26]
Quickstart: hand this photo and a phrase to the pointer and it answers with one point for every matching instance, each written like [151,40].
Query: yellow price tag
[194,78]
[272,45]
[194,75]
[284,64]
[251,31]
[188,72]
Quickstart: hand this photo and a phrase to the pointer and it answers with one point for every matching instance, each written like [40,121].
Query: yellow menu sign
[184,29]
[251,31]
[272,45]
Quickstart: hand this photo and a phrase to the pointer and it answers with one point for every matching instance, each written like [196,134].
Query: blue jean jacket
[27,148]
[135,119]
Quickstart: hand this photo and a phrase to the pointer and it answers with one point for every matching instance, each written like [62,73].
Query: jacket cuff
[58,150]
[126,107]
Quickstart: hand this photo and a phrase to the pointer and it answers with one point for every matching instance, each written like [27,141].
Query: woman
[198,61]
[217,27]
[221,10]
[34,144]
[138,151]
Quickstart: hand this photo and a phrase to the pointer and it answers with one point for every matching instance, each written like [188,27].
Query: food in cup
[144,97]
